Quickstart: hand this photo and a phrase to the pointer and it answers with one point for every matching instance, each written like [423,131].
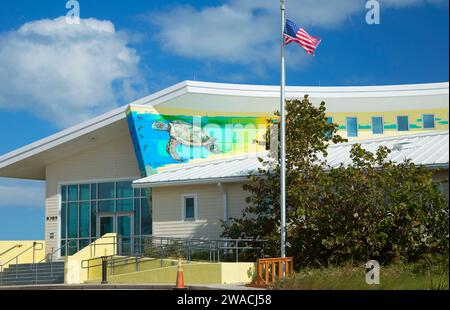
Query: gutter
[224,201]
[189,182]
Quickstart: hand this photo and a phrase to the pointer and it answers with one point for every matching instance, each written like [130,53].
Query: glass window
[428,121]
[352,127]
[124,205]
[402,123]
[137,217]
[85,192]
[73,192]
[189,208]
[106,206]
[146,217]
[83,204]
[106,190]
[63,193]
[124,190]
[328,134]
[73,220]
[377,125]
[84,243]
[63,220]
[93,191]
[93,219]
[85,211]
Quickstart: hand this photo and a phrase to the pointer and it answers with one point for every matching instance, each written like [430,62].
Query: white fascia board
[189,182]
[163,95]
[62,136]
[314,91]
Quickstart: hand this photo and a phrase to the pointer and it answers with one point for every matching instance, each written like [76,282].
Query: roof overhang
[191,182]
[29,162]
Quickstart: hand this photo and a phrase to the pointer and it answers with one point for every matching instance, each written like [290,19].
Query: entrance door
[120,223]
[124,231]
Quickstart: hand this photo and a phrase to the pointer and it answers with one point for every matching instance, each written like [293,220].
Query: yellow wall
[25,258]
[390,122]
[104,246]
[193,273]
[124,265]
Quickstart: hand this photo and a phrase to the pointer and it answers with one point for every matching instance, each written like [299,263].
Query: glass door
[124,232]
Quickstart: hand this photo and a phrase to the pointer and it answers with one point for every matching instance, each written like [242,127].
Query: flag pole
[283,137]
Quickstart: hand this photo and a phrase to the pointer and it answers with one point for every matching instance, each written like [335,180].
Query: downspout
[224,201]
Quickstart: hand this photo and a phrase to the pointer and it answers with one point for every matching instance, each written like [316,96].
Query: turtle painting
[186,134]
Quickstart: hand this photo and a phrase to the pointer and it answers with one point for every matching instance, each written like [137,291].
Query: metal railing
[10,249]
[49,258]
[145,248]
[16,258]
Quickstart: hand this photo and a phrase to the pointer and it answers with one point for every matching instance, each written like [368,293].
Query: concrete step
[39,269]
[27,282]
[30,274]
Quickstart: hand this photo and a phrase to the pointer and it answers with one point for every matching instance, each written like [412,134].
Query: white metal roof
[430,149]
[29,161]
[209,171]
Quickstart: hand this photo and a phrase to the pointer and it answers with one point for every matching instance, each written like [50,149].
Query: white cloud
[246,32]
[19,193]
[67,73]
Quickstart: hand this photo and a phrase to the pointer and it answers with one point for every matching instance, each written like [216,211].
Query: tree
[371,209]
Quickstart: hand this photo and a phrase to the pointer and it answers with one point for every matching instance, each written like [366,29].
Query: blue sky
[54,75]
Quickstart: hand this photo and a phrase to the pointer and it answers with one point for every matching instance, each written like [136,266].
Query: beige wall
[113,160]
[167,210]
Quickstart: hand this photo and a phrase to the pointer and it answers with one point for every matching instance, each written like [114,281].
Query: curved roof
[29,161]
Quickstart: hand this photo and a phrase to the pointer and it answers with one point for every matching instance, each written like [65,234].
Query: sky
[54,74]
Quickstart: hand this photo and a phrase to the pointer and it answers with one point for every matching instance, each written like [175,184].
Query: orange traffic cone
[180,279]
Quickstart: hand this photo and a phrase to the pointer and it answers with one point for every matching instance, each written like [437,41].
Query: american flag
[293,33]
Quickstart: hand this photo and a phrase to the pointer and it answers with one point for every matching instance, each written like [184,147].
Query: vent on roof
[402,146]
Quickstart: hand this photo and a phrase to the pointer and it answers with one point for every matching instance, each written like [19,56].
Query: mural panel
[162,140]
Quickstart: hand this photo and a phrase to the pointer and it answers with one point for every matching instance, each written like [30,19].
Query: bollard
[104,269]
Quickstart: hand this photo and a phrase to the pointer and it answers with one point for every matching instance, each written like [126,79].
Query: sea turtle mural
[186,134]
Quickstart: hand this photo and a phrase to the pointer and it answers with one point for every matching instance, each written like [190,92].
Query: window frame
[434,121]
[407,119]
[183,207]
[78,183]
[357,124]
[382,125]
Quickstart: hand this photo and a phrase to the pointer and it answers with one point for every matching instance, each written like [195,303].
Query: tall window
[189,207]
[402,123]
[329,133]
[377,125]
[352,127]
[428,121]
[89,210]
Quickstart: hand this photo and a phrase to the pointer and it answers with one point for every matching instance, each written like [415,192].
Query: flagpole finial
[283,4]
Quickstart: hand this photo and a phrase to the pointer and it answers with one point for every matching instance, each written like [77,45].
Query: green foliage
[371,209]
[352,277]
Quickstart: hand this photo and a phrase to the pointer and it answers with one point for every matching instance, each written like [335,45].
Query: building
[173,163]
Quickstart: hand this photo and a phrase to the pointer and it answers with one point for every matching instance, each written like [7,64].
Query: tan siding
[167,210]
[236,199]
[113,160]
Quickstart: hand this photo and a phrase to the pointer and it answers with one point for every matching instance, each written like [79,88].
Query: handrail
[11,248]
[18,255]
[16,258]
